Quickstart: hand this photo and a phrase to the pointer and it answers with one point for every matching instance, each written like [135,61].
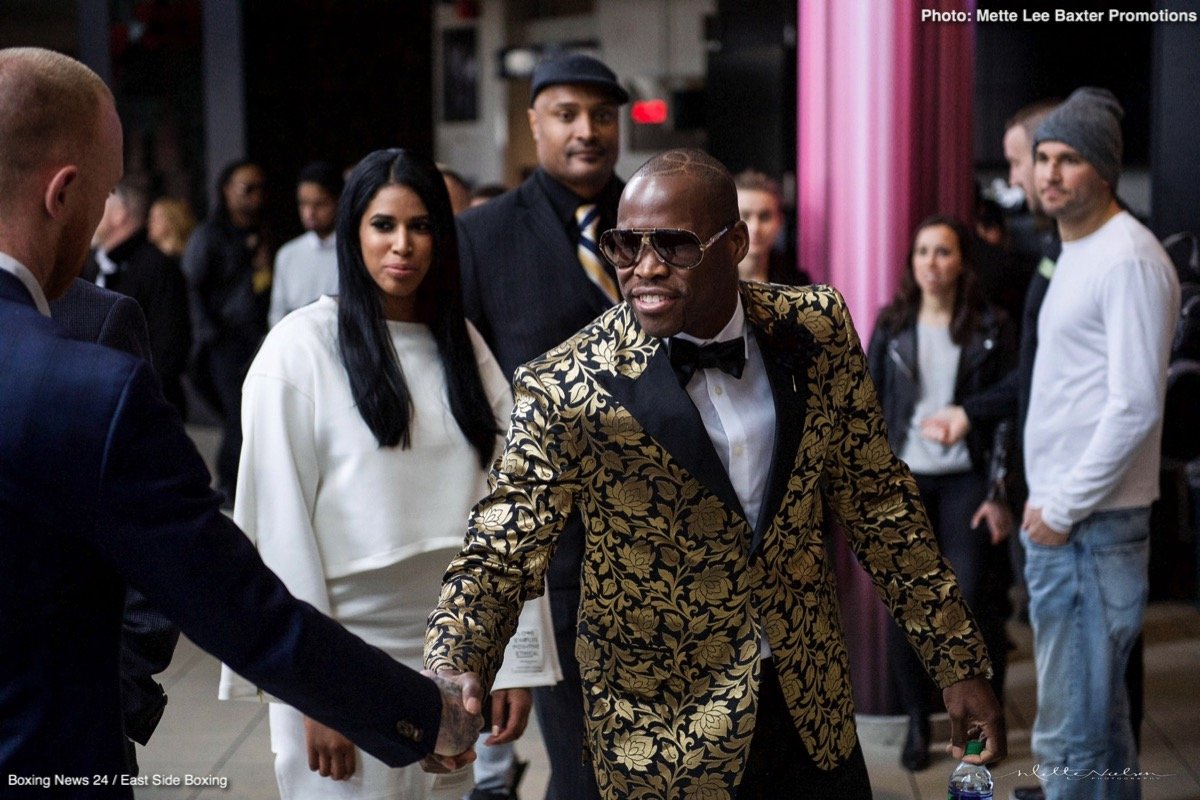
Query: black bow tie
[687,357]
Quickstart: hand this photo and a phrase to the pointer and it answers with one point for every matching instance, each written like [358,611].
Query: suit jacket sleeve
[511,536]
[124,328]
[469,270]
[167,314]
[148,638]
[196,267]
[874,496]
[157,522]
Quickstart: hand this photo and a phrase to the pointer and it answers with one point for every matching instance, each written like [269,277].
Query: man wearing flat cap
[1092,439]
[532,276]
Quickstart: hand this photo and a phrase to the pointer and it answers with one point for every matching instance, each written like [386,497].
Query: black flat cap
[575,68]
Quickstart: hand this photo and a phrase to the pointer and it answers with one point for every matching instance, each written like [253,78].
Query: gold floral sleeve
[511,535]
[874,496]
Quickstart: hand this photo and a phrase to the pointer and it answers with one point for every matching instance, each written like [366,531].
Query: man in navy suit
[101,488]
[532,276]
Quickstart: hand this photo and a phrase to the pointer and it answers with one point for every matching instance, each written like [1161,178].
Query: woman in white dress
[370,420]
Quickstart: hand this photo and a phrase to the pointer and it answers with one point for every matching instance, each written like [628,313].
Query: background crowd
[360,375]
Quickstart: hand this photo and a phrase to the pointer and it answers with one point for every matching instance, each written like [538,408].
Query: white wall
[474,149]
[649,38]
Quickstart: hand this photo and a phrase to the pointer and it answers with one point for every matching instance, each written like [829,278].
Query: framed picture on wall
[460,76]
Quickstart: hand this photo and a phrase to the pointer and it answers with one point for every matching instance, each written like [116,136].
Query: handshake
[462,720]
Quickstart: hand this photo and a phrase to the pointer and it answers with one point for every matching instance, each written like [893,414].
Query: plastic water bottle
[970,781]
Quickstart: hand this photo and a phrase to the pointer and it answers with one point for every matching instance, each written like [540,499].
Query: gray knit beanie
[1090,122]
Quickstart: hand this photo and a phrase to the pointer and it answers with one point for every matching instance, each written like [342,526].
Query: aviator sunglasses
[674,247]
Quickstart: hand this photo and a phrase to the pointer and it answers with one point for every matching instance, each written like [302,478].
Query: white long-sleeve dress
[362,532]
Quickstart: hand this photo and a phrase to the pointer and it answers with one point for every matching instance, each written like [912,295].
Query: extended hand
[998,518]
[510,714]
[976,714]
[329,753]
[462,704]
[946,426]
[1039,532]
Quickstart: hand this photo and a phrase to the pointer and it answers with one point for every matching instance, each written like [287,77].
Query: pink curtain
[883,140]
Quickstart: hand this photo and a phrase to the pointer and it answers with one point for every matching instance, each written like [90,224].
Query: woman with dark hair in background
[370,422]
[227,264]
[938,342]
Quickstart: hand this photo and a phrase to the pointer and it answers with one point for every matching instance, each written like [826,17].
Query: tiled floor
[201,737]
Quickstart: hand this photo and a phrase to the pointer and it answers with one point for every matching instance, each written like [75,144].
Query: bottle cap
[974,747]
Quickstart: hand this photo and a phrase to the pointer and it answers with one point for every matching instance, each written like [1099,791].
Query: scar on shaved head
[710,175]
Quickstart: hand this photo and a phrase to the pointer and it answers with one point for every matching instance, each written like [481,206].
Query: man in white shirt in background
[1092,440]
[306,267]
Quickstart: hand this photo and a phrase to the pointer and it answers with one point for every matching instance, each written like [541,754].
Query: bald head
[49,106]
[60,156]
[690,191]
[1018,147]
[709,176]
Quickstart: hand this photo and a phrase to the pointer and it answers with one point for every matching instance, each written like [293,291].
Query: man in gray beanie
[1092,437]
[1089,121]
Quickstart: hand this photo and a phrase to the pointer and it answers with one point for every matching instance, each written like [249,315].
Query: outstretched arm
[511,537]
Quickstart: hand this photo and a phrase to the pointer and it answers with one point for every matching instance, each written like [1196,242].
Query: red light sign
[649,112]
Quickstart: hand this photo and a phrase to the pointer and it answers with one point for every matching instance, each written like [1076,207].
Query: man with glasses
[700,429]
[228,267]
[532,277]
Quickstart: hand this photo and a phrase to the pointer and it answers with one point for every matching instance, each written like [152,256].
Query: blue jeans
[1086,604]
[493,764]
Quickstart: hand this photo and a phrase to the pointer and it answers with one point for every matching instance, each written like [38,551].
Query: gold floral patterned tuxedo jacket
[676,583]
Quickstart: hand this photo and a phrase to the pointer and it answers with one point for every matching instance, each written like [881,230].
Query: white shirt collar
[734,329]
[22,273]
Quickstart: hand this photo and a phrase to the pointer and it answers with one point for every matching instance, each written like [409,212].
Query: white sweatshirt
[1092,436]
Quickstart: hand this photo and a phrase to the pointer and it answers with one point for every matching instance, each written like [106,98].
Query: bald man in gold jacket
[697,622]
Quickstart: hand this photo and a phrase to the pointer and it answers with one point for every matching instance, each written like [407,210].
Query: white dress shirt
[739,415]
[22,273]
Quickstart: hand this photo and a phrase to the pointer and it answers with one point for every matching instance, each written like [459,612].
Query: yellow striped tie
[588,217]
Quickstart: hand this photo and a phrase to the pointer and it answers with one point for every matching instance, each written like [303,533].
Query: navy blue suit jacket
[100,487]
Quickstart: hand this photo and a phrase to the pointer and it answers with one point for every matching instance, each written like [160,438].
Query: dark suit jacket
[92,314]
[156,282]
[676,579]
[525,291]
[523,286]
[100,487]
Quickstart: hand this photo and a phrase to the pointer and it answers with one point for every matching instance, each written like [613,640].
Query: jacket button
[409,731]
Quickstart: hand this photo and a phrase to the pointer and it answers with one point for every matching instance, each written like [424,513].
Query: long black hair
[376,378]
[969,303]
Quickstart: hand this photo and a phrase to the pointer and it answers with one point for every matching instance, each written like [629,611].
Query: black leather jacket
[987,357]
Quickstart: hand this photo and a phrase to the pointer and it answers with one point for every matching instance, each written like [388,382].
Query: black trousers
[779,765]
[228,360]
[950,501]
[560,713]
